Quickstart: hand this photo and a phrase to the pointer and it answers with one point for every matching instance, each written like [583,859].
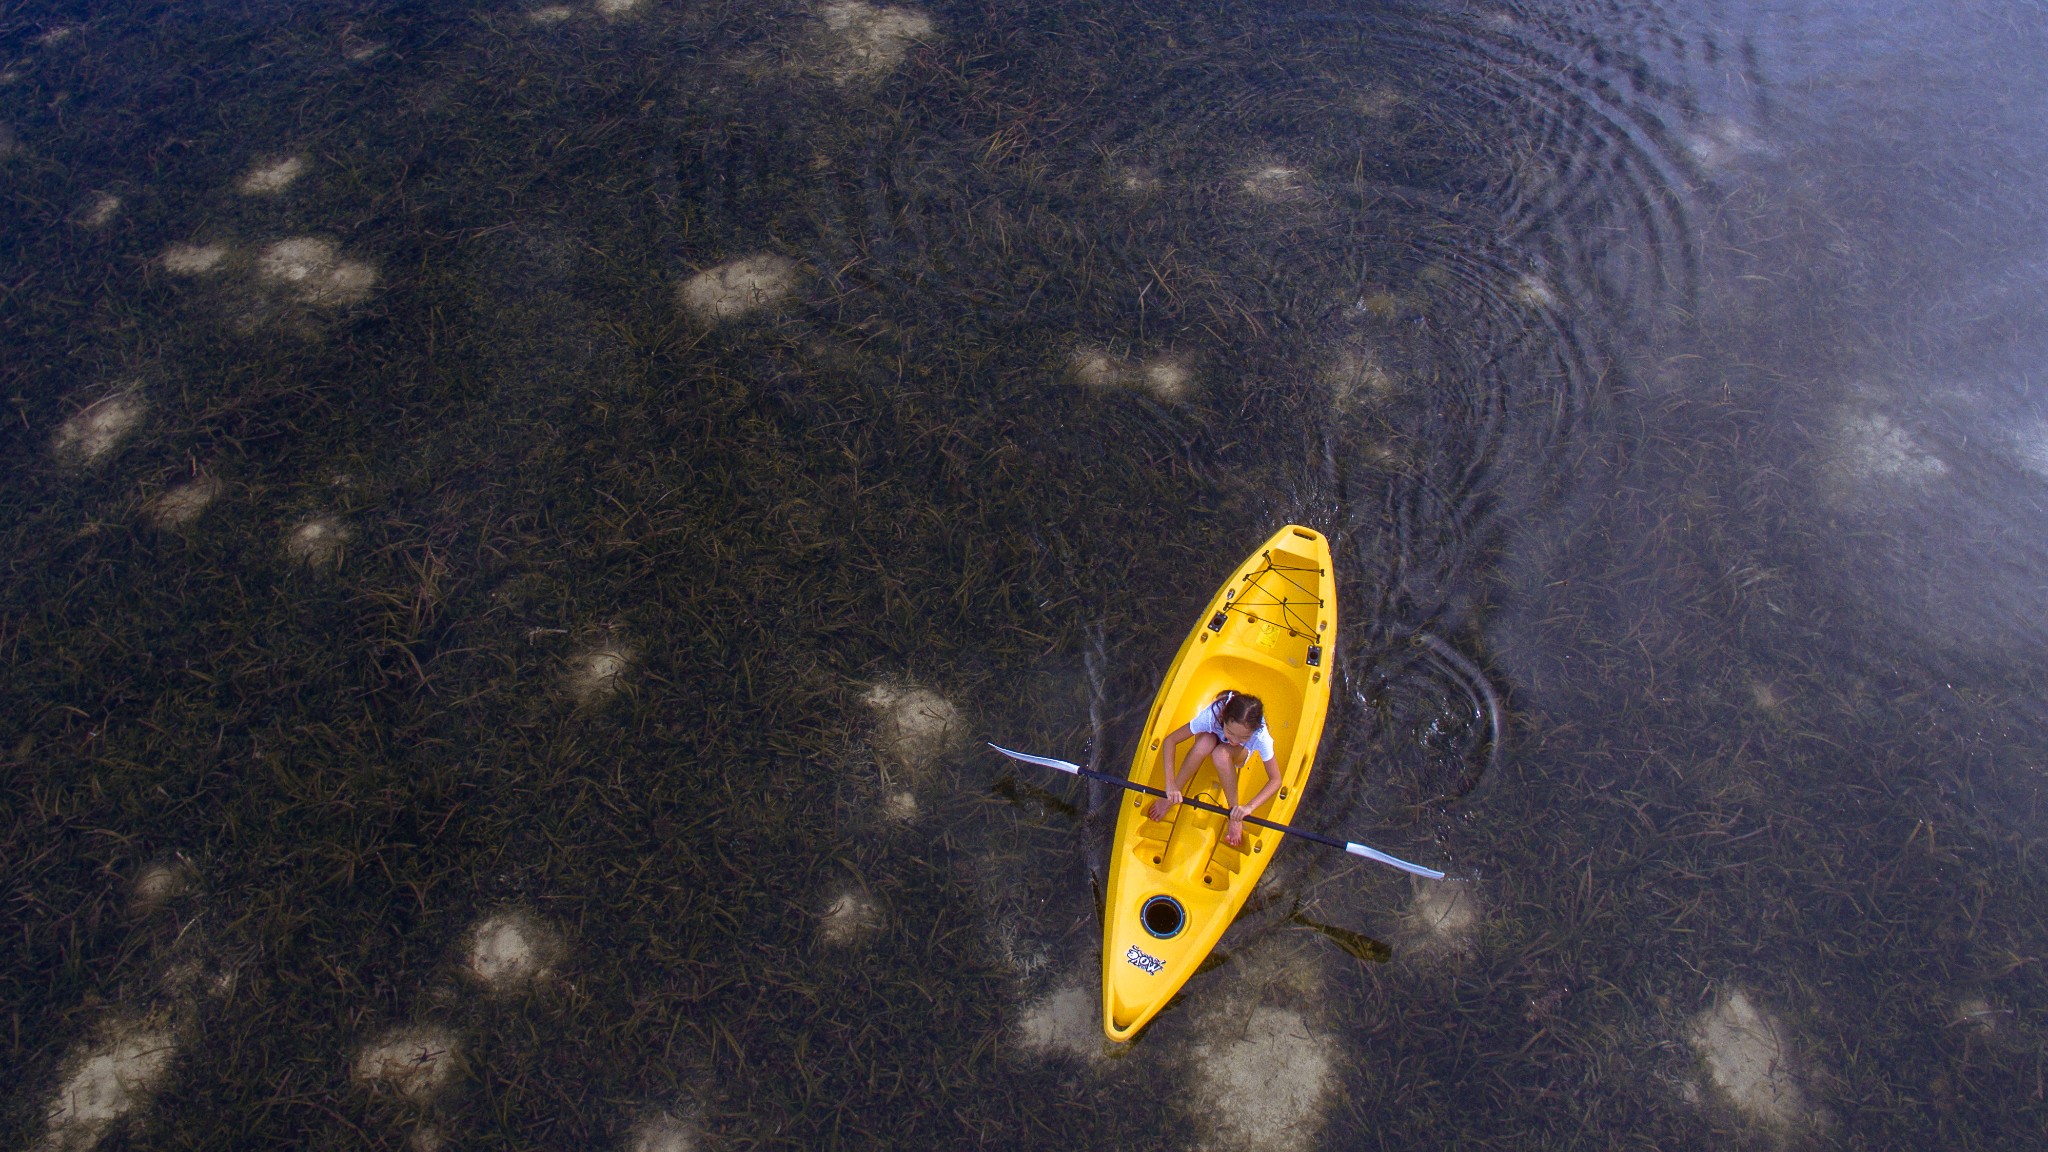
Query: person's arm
[1167,748]
[1238,812]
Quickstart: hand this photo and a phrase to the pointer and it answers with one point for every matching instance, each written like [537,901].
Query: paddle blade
[1041,761]
[1395,861]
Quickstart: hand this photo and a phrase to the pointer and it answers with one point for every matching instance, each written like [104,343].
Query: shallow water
[1663,377]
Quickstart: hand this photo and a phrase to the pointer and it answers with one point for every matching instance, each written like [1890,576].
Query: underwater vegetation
[518,518]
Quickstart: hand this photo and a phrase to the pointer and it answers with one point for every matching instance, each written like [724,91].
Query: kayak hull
[1174,886]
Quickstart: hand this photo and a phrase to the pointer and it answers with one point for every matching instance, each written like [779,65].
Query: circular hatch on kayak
[1163,917]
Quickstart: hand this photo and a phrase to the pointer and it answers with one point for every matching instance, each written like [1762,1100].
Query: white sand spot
[1377,103]
[1976,1013]
[662,1132]
[1169,376]
[1064,1022]
[1442,919]
[507,951]
[108,1081]
[914,727]
[1765,696]
[93,432]
[417,1061]
[271,176]
[57,35]
[1275,184]
[182,504]
[1263,1079]
[739,287]
[1722,142]
[99,211]
[851,917]
[1015,949]
[1135,181]
[158,884]
[1872,448]
[868,42]
[598,674]
[614,9]
[2030,447]
[1748,1063]
[1354,377]
[1096,367]
[312,270]
[193,259]
[426,1138]
[1531,292]
[1380,305]
[318,543]
[899,807]
[552,14]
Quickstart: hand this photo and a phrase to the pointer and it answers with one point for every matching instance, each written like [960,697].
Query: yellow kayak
[1174,886]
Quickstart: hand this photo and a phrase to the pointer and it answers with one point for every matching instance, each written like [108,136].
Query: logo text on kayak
[1143,959]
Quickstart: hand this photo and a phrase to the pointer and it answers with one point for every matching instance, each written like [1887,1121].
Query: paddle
[1348,846]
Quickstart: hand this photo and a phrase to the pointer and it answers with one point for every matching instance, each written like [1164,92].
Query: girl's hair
[1234,707]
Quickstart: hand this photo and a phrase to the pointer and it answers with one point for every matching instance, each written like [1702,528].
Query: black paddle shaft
[1148,790]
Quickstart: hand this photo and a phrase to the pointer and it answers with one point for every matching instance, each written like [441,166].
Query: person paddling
[1225,733]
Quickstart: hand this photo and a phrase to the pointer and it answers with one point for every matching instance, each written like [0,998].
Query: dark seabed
[517,520]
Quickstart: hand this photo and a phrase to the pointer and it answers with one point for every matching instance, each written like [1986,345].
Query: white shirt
[1206,721]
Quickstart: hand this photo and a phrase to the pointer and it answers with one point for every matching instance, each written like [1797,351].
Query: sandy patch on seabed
[269,177]
[739,288]
[663,1132]
[1749,1065]
[312,270]
[180,505]
[91,434]
[1168,376]
[98,212]
[1355,377]
[914,727]
[509,950]
[1873,456]
[193,259]
[899,807]
[1065,1022]
[1275,184]
[1441,922]
[108,1080]
[865,42]
[417,1061]
[158,884]
[1263,1079]
[597,675]
[849,918]
[318,543]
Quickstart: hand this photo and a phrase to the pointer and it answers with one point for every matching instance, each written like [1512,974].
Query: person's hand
[1233,832]
[1163,805]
